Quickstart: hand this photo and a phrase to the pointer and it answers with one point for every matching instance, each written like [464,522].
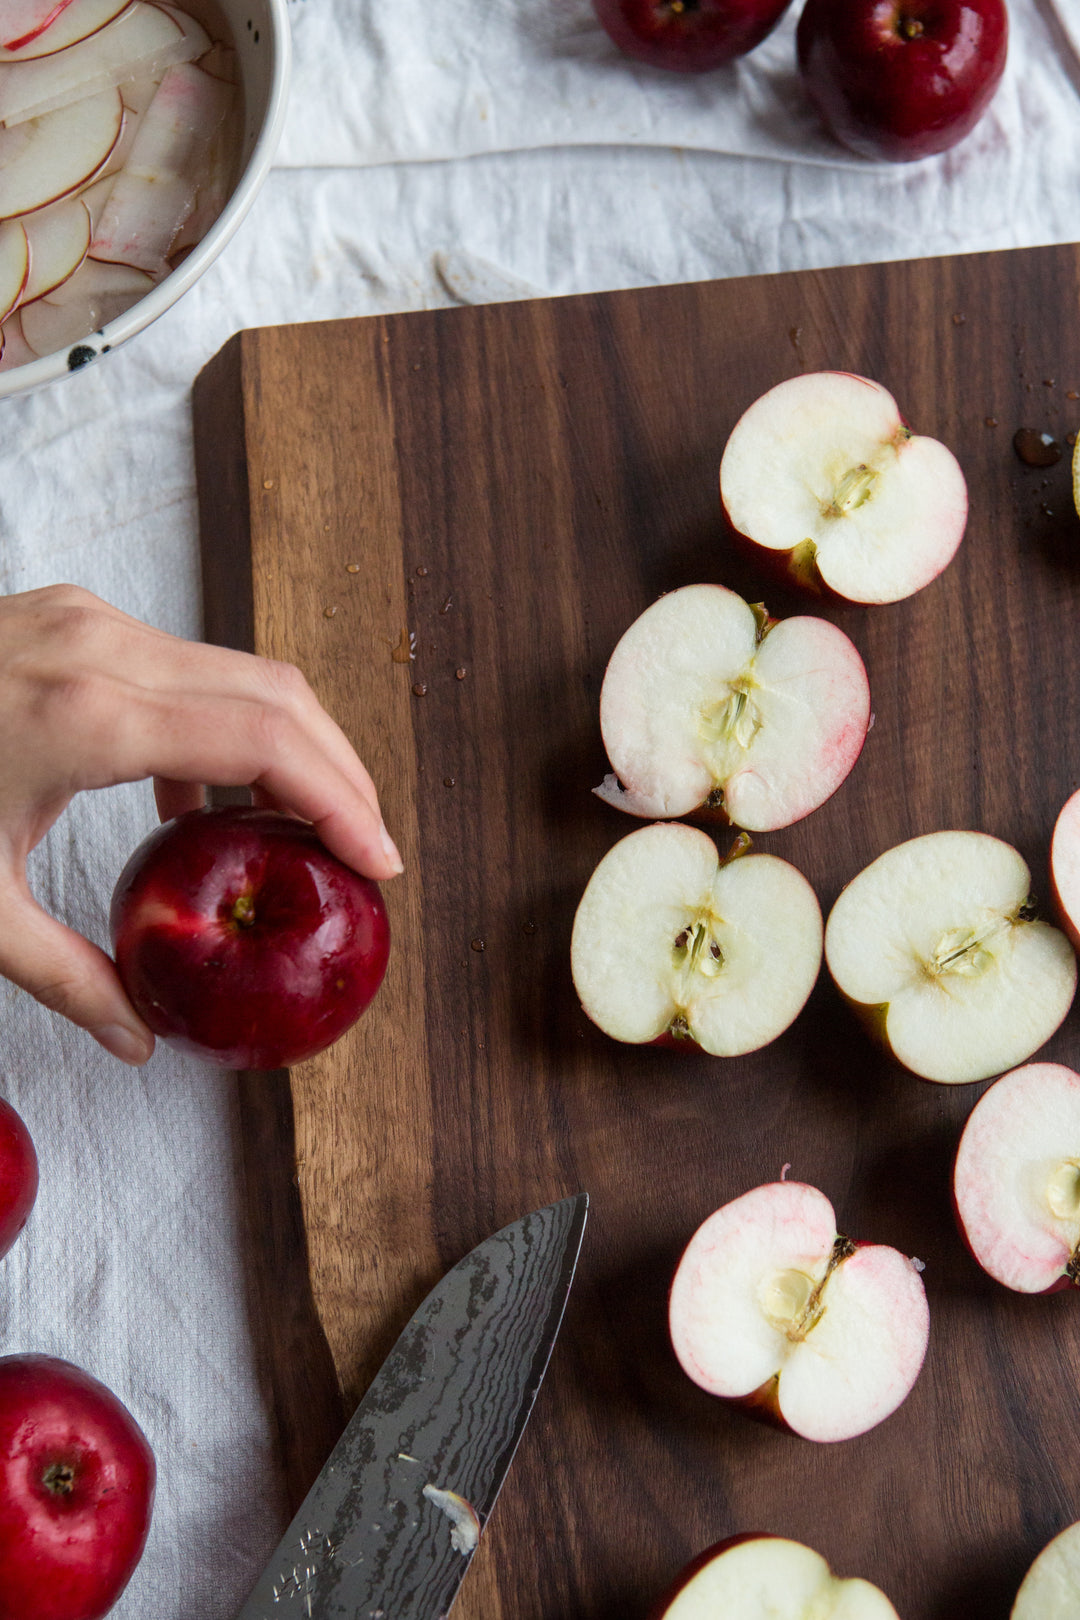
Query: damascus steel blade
[390,1526]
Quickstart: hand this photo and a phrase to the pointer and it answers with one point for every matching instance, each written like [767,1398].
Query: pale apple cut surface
[933,938]
[1017,1178]
[1051,1588]
[697,702]
[1065,862]
[824,462]
[767,1289]
[770,1578]
[666,935]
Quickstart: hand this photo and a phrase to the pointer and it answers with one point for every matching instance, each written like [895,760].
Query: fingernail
[123,1043]
[390,850]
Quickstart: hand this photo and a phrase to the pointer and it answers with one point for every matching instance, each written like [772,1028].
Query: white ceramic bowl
[260,30]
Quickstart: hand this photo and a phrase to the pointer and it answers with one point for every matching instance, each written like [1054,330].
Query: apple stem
[1072,1270]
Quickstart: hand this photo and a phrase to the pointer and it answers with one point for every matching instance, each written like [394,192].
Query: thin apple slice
[935,944]
[47,158]
[95,295]
[68,22]
[1016,1181]
[14,265]
[156,191]
[763,1577]
[141,43]
[14,349]
[823,475]
[669,941]
[59,237]
[772,1307]
[1051,1588]
[94,195]
[708,704]
[25,20]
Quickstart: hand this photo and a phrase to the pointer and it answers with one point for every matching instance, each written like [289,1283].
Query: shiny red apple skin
[18,1175]
[240,938]
[76,1492]
[688,36]
[901,79]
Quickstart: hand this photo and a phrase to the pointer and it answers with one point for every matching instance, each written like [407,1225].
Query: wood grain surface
[510,486]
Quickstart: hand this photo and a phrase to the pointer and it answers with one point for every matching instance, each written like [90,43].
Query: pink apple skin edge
[1057,1287]
[1065,869]
[240,938]
[77,1480]
[18,1176]
[688,36]
[901,79]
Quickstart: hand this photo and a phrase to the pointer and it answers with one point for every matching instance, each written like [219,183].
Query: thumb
[67,974]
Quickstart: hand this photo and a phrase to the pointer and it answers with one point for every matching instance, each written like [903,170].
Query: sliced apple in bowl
[772,1307]
[708,705]
[673,944]
[766,1577]
[936,946]
[823,477]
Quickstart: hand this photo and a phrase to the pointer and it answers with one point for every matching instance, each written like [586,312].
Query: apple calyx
[242,911]
[794,1302]
[59,1479]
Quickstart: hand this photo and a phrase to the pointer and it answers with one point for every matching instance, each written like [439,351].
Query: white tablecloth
[476,150]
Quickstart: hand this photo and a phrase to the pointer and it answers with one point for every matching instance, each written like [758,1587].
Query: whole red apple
[18,1176]
[689,36]
[902,79]
[76,1492]
[239,937]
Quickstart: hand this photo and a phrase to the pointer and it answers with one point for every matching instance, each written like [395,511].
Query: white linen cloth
[463,151]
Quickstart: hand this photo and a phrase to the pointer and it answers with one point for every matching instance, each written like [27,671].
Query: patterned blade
[390,1526]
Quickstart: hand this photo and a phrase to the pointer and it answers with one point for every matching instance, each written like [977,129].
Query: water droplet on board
[477,944]
[1036,449]
[328,612]
[448,781]
[405,651]
[420,687]
[990,421]
[352,568]
[461,672]
[421,572]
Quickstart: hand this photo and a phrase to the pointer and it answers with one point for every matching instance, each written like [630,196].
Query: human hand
[90,697]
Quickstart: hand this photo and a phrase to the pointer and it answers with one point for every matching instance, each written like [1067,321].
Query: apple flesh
[76,1492]
[1016,1180]
[1049,1589]
[935,945]
[1065,864]
[764,1577]
[709,705]
[823,480]
[901,79]
[671,943]
[240,938]
[18,1175]
[689,36]
[772,1307]
[43,27]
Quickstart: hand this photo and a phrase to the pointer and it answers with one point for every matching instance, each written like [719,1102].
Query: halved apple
[771,1306]
[672,943]
[935,944]
[1016,1181]
[36,28]
[764,1577]
[47,158]
[1051,1588]
[708,704]
[823,476]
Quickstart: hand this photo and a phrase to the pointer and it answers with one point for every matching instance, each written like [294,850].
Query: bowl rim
[36,374]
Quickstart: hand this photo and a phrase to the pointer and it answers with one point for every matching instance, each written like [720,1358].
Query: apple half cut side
[823,477]
[673,944]
[935,945]
[1049,1590]
[766,1577]
[770,1306]
[708,705]
[1016,1180]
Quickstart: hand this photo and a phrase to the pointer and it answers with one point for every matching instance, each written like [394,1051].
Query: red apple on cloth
[771,1306]
[240,938]
[1049,1589]
[690,36]
[710,705]
[902,79]
[823,479]
[76,1492]
[1016,1181]
[672,943]
[18,1175]
[936,945]
[764,1577]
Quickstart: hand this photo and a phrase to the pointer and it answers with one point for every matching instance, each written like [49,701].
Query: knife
[390,1526]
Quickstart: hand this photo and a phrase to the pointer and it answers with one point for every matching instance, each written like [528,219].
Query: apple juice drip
[794,1303]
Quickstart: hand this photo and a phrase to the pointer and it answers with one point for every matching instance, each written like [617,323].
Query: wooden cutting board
[503,490]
